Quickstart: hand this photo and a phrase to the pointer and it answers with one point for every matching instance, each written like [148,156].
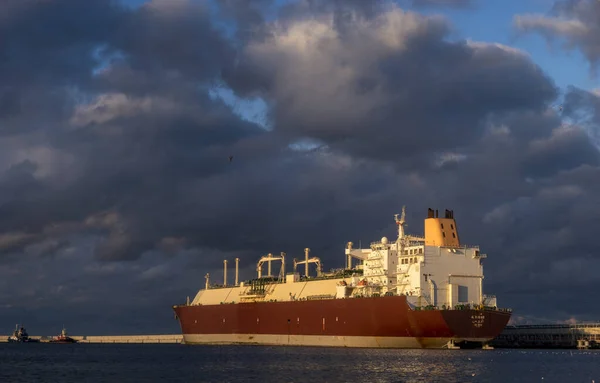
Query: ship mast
[400,242]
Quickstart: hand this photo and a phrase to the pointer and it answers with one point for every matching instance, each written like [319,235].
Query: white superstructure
[434,270]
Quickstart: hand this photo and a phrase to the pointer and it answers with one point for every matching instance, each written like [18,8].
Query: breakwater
[168,338]
[581,335]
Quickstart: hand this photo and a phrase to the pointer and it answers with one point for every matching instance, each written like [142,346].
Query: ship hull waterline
[375,322]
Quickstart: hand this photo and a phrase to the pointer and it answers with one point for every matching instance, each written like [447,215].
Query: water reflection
[178,363]
[311,364]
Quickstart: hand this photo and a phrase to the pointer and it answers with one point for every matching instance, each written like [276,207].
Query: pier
[581,336]
[168,338]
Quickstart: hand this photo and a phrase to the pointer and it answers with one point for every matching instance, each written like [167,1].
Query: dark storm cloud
[444,3]
[183,49]
[339,9]
[583,107]
[184,42]
[575,22]
[248,16]
[116,189]
[50,42]
[392,84]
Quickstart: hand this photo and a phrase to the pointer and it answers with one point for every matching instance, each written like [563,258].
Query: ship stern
[475,327]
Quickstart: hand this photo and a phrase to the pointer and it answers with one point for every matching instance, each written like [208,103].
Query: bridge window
[442,226]
[453,235]
[463,294]
[452,226]
[444,234]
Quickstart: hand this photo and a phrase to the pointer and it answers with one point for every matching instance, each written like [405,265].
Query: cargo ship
[414,292]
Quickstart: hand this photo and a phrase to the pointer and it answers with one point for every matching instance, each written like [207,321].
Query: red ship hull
[386,322]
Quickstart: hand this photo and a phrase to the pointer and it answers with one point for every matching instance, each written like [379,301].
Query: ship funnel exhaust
[306,251]
[225,272]
[441,231]
[237,270]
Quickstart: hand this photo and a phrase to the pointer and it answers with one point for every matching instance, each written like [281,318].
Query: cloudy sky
[117,120]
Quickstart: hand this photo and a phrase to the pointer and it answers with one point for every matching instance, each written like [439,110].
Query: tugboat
[62,338]
[20,336]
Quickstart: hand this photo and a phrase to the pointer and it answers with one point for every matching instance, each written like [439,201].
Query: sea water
[180,363]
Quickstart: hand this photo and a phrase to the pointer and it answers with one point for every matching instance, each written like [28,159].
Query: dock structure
[130,339]
[168,338]
[581,335]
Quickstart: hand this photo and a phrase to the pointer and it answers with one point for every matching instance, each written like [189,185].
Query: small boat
[20,336]
[62,338]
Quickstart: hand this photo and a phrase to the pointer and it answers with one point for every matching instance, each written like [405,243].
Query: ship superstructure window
[463,294]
